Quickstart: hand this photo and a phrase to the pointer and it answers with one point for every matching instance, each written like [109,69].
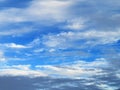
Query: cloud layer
[73,42]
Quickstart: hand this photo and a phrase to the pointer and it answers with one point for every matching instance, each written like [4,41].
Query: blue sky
[63,38]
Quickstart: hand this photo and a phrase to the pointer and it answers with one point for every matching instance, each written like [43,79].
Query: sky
[67,44]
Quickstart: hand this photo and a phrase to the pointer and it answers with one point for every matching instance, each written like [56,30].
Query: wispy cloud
[81,38]
[15,46]
[52,12]
[76,70]
[80,69]
[92,37]
[2,57]
[16,32]
[96,74]
[20,70]
[75,24]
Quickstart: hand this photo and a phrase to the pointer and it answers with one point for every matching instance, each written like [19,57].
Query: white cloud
[52,50]
[20,70]
[81,69]
[52,41]
[107,87]
[78,69]
[37,11]
[41,11]
[16,32]
[118,75]
[35,42]
[15,46]
[75,24]
[92,37]
[69,71]
[38,50]
[11,15]
[60,10]
[48,10]
[2,57]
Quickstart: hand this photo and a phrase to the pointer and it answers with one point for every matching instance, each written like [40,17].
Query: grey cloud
[102,15]
[98,75]
[45,83]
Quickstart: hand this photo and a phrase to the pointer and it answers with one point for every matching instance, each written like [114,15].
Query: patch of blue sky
[14,4]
